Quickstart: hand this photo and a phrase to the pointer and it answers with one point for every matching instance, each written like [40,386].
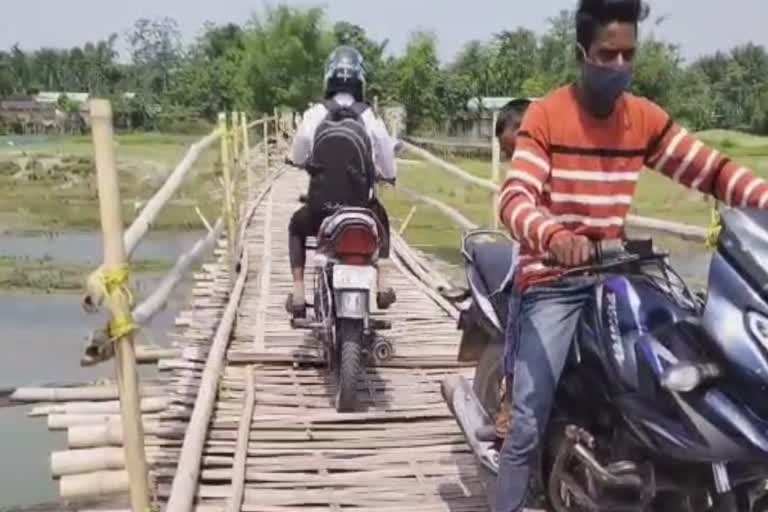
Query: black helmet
[345,72]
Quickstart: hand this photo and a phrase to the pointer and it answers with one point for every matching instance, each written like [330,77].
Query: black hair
[512,109]
[593,14]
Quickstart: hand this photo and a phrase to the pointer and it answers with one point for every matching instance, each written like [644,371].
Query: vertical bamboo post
[495,169]
[114,261]
[236,138]
[228,214]
[277,124]
[266,144]
[376,104]
[246,152]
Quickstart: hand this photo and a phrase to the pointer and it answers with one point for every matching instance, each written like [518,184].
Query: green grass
[144,160]
[45,275]
[656,196]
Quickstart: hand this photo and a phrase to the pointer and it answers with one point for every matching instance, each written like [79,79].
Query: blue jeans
[542,325]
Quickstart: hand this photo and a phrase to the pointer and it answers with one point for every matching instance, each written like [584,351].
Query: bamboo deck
[402,451]
[274,442]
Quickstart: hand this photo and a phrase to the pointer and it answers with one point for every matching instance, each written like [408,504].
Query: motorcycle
[661,403]
[345,275]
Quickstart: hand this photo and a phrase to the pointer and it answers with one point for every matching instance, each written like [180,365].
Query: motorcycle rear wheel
[350,338]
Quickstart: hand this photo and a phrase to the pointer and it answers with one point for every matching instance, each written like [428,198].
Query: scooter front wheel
[350,337]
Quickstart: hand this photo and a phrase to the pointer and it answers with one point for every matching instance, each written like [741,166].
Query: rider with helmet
[344,97]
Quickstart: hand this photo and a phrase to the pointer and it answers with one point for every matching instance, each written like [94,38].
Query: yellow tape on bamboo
[115,282]
[713,232]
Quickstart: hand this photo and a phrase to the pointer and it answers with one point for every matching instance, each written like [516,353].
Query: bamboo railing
[680,230]
[82,475]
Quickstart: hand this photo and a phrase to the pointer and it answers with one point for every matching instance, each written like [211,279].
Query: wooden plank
[238,468]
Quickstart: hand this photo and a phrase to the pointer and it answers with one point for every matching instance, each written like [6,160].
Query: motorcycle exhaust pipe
[579,445]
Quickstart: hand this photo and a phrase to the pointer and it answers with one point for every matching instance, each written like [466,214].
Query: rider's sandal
[295,310]
[385,298]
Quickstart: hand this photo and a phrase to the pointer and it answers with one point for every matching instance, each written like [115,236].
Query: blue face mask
[604,84]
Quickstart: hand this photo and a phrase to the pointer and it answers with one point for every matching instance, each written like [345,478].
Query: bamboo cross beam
[266,145]
[495,170]
[246,153]
[118,300]
[140,226]
[235,137]
[684,231]
[229,214]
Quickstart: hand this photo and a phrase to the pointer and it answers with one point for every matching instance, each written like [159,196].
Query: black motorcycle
[661,405]
[345,273]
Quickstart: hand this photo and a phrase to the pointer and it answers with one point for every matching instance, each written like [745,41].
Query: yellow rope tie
[115,282]
[713,232]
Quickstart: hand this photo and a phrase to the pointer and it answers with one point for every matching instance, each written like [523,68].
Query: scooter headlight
[757,325]
[682,378]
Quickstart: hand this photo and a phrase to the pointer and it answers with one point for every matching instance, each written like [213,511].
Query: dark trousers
[542,325]
[306,222]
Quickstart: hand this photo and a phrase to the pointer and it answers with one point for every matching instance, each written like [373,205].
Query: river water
[42,338]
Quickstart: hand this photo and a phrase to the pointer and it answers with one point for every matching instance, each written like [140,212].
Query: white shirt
[382,143]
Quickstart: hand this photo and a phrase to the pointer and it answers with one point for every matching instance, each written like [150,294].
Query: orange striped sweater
[572,171]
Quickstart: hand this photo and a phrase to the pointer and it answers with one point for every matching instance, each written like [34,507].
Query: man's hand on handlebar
[571,250]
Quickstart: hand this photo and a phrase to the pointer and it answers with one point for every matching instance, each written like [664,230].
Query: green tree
[156,51]
[284,55]
[418,81]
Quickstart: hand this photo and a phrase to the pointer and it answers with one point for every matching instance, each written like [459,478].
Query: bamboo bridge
[240,413]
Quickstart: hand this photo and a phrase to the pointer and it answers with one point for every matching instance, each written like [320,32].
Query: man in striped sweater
[578,156]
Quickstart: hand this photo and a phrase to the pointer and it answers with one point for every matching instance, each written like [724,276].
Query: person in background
[344,95]
[579,153]
[506,129]
[508,124]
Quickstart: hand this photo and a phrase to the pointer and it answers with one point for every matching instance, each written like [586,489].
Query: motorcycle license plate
[350,277]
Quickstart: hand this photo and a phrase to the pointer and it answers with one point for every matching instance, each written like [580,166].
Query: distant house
[55,96]
[493,103]
[477,122]
[394,116]
[42,113]
[27,115]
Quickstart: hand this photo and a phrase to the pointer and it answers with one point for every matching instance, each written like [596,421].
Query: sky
[698,26]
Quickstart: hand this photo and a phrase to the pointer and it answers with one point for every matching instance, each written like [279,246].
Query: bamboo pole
[115,260]
[235,137]
[151,210]
[99,349]
[684,231]
[150,404]
[277,123]
[65,394]
[241,453]
[246,153]
[228,206]
[186,478]
[407,220]
[495,169]
[266,145]
[455,215]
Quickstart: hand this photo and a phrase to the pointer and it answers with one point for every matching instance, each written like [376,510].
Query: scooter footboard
[470,416]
